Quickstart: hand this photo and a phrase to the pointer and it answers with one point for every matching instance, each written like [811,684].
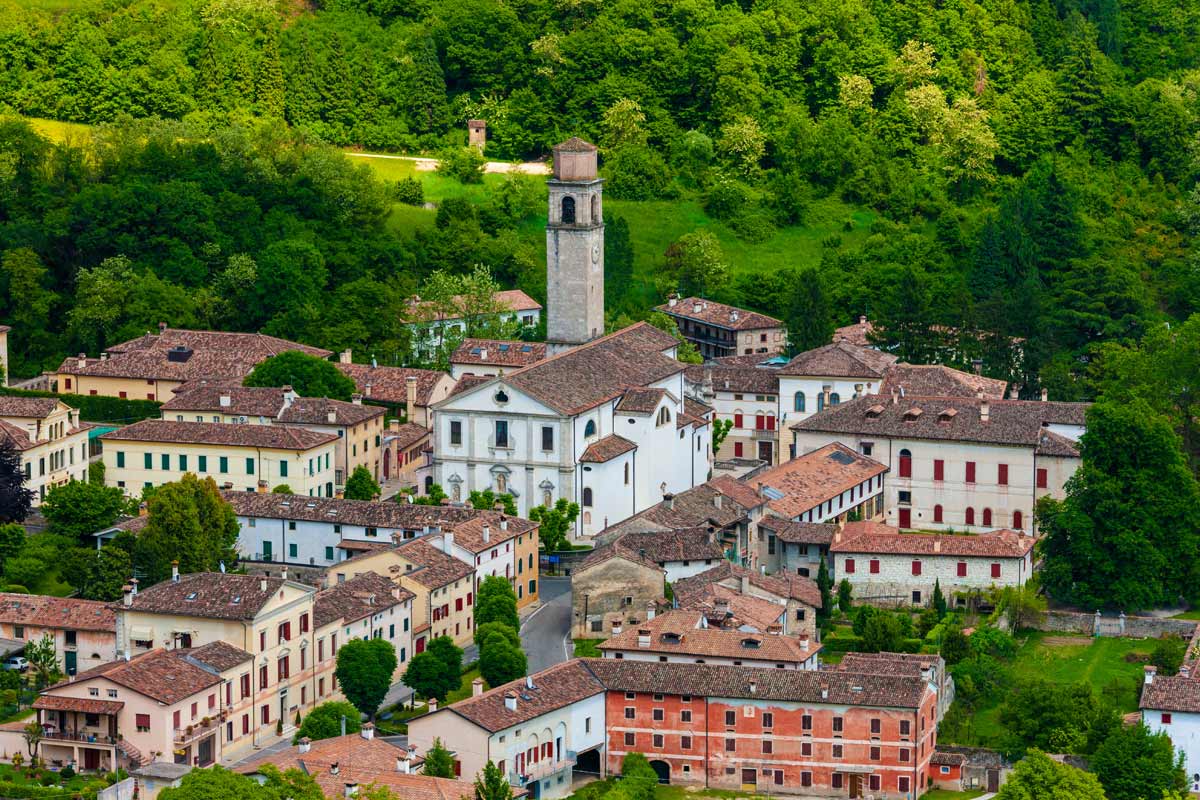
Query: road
[545,636]
[431,164]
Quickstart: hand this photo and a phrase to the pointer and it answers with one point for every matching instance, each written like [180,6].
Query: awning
[141,634]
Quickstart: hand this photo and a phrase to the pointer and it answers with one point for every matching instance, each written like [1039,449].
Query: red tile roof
[820,533]
[163,675]
[839,360]
[780,585]
[935,380]
[740,379]
[218,655]
[875,537]
[815,477]
[57,612]
[361,596]
[1172,693]
[31,407]
[553,688]
[218,595]
[718,314]
[607,449]
[435,569]
[272,437]
[498,352]
[390,384]
[676,632]
[406,435]
[506,300]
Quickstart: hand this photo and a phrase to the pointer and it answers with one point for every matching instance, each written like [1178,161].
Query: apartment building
[50,439]
[826,376]
[240,457]
[367,606]
[721,330]
[359,427]
[84,631]
[779,603]
[963,463]
[496,544]
[746,395]
[431,326]
[408,455]
[153,366]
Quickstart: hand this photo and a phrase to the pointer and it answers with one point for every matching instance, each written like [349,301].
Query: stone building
[574,247]
[720,330]
[613,588]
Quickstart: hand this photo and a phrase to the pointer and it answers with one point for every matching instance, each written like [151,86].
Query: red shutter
[737,420]
[175,719]
[962,569]
[770,423]
[874,566]
[850,566]
[759,422]
[916,568]
[970,516]
[1018,520]
[143,720]
[1042,480]
[737,449]
[1002,474]
[970,472]
[987,518]
[939,469]
[995,570]
[905,466]
[937,513]
[470,595]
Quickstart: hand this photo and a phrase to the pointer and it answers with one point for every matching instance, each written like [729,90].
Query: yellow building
[153,366]
[239,457]
[48,435]
[359,427]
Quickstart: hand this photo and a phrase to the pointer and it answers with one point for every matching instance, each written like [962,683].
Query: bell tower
[574,248]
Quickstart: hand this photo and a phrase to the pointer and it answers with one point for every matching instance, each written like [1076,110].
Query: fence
[1122,625]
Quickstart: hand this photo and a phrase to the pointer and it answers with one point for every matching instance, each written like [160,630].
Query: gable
[481,399]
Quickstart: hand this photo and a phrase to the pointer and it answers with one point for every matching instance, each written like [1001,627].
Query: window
[283,466]
[685,743]
[962,569]
[970,477]
[987,518]
[834,399]
[657,740]
[970,516]
[1042,479]
[249,466]
[849,566]
[916,567]
[806,748]
[875,782]
[224,464]
[587,497]
[837,751]
[937,513]
[629,739]
[730,718]
[1002,474]
[874,566]
[1018,520]
[730,745]
[165,459]
[905,463]
[245,686]
[737,419]
[874,753]
[568,210]
[658,714]
[630,712]
[501,433]
[664,416]
[939,469]
[589,429]
[685,716]
[806,722]
[875,727]
[904,755]
[996,570]
[203,463]
[905,727]
[1166,718]
[798,401]
[768,719]
[738,450]
[837,725]
[835,780]
[547,437]
[768,746]
[455,432]
[143,723]
[120,459]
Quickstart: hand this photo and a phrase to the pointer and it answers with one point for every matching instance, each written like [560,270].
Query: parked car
[19,663]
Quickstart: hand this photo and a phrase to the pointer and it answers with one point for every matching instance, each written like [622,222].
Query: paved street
[545,636]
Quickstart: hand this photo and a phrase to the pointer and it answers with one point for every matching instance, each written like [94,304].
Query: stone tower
[574,248]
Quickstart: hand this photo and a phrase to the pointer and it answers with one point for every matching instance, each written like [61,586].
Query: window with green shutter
[166,461]
[249,466]
[283,468]
[292,551]
[148,460]
[203,463]
[182,462]
[224,464]
[120,459]
[329,554]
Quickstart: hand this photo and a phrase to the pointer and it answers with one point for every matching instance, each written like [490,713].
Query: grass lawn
[946,794]
[586,648]
[597,789]
[52,129]
[12,775]
[400,714]
[1192,614]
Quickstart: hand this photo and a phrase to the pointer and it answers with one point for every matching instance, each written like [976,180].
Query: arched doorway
[387,464]
[662,769]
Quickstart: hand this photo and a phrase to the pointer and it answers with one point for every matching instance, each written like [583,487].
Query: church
[604,421]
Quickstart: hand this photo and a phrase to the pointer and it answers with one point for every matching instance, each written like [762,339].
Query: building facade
[574,247]
[50,439]
[1170,704]
[84,631]
[719,330]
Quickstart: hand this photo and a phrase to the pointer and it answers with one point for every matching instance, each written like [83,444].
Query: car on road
[18,663]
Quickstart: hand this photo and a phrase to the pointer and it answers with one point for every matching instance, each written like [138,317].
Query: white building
[748,397]
[888,567]
[827,376]
[431,326]
[605,425]
[966,464]
[1171,705]
[51,441]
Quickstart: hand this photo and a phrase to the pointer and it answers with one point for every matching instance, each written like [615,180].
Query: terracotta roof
[251,401]
[272,437]
[875,537]
[729,608]
[498,352]
[695,408]
[506,300]
[436,569]
[553,688]
[16,436]
[910,664]
[943,759]
[575,145]
[217,655]
[86,705]
[406,435]
[781,585]
[680,544]
[501,528]
[640,401]
[213,354]
[390,384]
[1172,693]
[839,360]
[718,314]
[809,480]
[768,361]
[742,380]
[31,407]
[693,508]
[607,449]
[1054,444]
[935,380]
[57,612]
[316,411]
[857,334]
[367,513]
[1014,422]
[219,595]
[755,683]
[467,382]
[786,530]
[162,675]
[676,632]
[365,594]
[739,492]
[604,552]
[601,370]
[361,761]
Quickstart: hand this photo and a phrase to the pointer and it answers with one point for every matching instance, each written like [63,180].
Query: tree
[1037,776]
[697,263]
[497,628]
[638,778]
[269,85]
[12,540]
[1132,474]
[939,599]
[15,499]
[426,98]
[881,633]
[187,521]
[554,523]
[325,721]
[364,672]
[809,322]
[43,660]
[844,598]
[825,584]
[203,784]
[1134,763]
[720,431]
[425,677]
[463,164]
[450,656]
[32,734]
[955,646]
[361,486]
[492,784]
[495,601]
[1168,655]
[308,375]
[282,488]
[686,352]
[79,509]
[486,501]
[98,575]
[500,662]
[1025,607]
[1061,718]
[439,763]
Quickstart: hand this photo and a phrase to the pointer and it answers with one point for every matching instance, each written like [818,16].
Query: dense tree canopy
[189,522]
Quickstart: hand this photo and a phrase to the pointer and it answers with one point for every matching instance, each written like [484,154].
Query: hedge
[24,791]
[853,644]
[97,407]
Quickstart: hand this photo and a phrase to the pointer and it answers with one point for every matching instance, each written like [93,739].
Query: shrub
[635,172]
[66,773]
[464,164]
[727,198]
[753,226]
[1168,655]
[409,191]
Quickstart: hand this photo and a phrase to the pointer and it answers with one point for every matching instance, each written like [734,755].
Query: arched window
[1018,520]
[568,210]
[905,463]
[589,429]
[798,401]
[937,513]
[595,220]
[820,401]
[587,497]
[664,415]
[834,399]
[987,518]
[970,516]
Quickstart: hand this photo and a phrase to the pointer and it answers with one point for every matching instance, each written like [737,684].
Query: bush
[409,191]
[635,172]
[993,642]
[727,198]
[790,198]
[66,773]
[842,644]
[47,779]
[1168,655]
[464,164]
[753,226]
[98,408]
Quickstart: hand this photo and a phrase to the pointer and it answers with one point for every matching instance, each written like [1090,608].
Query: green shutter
[148,460]
[224,464]
[182,462]
[249,466]
[120,459]
[166,461]
[329,554]
[283,468]
[203,463]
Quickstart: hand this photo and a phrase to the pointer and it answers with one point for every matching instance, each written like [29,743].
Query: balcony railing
[545,768]
[195,731]
[88,738]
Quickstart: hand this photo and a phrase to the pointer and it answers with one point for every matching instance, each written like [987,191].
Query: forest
[1020,172]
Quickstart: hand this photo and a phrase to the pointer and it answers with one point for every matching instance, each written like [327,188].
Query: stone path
[495,167]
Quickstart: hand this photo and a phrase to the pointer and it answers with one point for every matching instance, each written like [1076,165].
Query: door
[662,769]
[71,662]
[856,785]
[421,645]
[764,452]
[906,518]
[993,780]
[205,751]
[387,464]
[91,758]
[749,779]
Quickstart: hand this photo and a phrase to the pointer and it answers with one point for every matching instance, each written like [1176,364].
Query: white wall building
[50,439]
[1171,705]
[828,376]
[747,396]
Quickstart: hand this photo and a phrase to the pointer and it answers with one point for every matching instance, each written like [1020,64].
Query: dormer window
[751,644]
[670,637]
[190,596]
[912,414]
[947,415]
[874,411]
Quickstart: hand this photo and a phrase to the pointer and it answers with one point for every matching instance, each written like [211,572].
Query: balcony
[198,730]
[546,768]
[82,737]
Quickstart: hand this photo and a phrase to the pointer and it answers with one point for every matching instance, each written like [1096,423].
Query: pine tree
[427,88]
[15,499]
[825,584]
[337,91]
[303,100]
[211,76]
[492,784]
[809,321]
[269,85]
[438,761]
[242,78]
[939,599]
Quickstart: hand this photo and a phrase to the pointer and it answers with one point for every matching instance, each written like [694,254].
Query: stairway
[135,756]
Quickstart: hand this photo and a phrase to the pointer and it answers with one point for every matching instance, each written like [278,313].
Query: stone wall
[1116,625]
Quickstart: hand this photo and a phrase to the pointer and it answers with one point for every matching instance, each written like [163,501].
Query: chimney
[616,628]
[344,356]
[824,691]
[529,682]
[977,364]
[402,764]
[162,328]
[368,731]
[721,606]
[717,499]
[448,543]
[643,637]
[804,641]
[356,398]
[262,584]
[733,315]
[175,572]
[127,595]
[1150,671]
[984,411]
[1045,395]
[82,360]
[432,704]
[351,790]
[477,687]
[697,308]
[283,572]
[510,700]
[367,389]
[305,745]
[331,416]
[226,400]
[334,768]
[862,320]
[483,354]
[487,533]
[1185,671]
[262,487]
[672,299]
[937,544]
[410,394]
[650,611]
[1013,392]
[926,673]
[745,584]
[104,356]
[503,522]
[669,499]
